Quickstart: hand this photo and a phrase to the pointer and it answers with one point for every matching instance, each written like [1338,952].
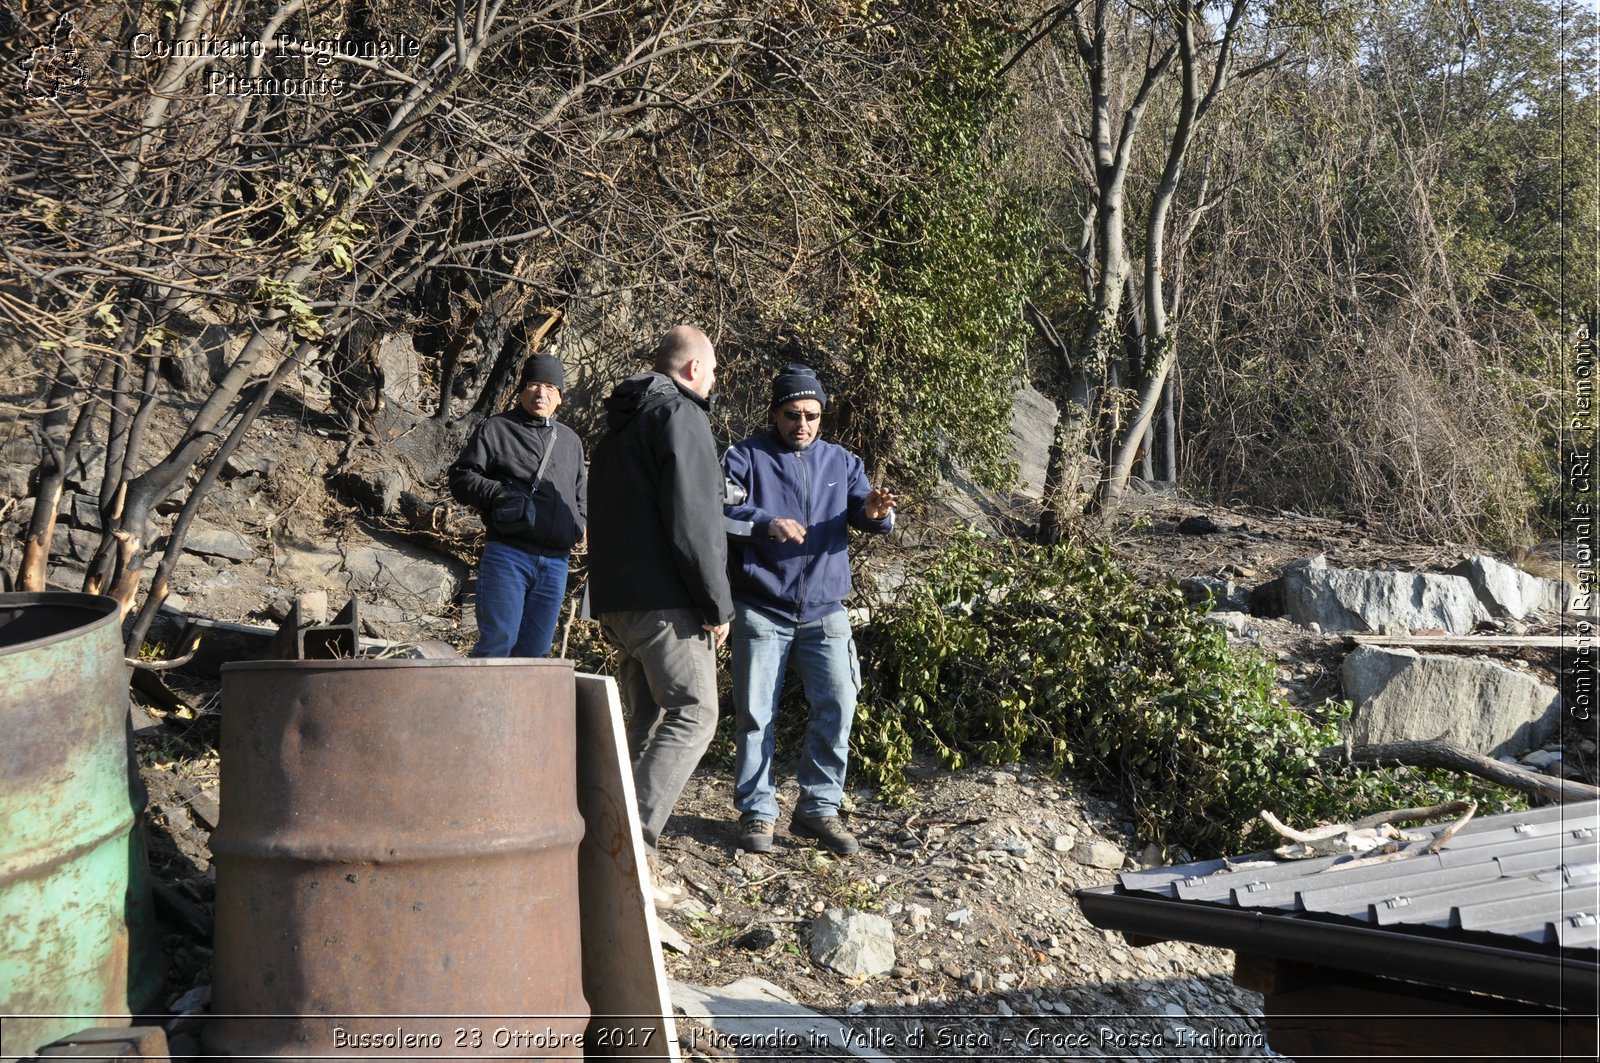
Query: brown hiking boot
[826,831]
[755,835]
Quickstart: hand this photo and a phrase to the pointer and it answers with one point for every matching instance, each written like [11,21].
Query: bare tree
[276,185]
[1149,76]
[284,174]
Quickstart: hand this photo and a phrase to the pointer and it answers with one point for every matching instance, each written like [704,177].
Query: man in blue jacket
[790,574]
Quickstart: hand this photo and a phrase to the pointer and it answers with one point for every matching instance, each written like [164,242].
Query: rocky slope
[975,875]
[992,956]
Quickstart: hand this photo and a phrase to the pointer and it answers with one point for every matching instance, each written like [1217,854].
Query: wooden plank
[1467,642]
[624,979]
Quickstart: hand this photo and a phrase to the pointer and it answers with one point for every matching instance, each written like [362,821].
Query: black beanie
[797,382]
[543,369]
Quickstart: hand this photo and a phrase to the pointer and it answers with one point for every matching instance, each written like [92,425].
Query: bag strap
[549,447]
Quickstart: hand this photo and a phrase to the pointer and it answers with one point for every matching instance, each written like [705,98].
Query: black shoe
[826,831]
[755,835]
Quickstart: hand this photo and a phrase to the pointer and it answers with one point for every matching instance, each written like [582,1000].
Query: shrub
[1011,650]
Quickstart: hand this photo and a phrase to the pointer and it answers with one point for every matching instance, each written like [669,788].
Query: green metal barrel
[77,947]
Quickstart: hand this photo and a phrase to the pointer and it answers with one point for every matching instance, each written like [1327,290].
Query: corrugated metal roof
[1524,885]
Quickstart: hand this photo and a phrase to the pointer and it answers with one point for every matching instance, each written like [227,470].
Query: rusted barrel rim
[399,662]
[88,603]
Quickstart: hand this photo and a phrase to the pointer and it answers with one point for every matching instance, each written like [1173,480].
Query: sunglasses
[796,416]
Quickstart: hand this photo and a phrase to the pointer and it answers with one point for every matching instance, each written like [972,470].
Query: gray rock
[15,480]
[85,472]
[1097,852]
[1033,425]
[310,566]
[1508,592]
[384,621]
[241,464]
[404,573]
[202,359]
[1017,847]
[1226,595]
[1233,622]
[77,544]
[20,450]
[402,371]
[429,445]
[852,943]
[225,580]
[375,489]
[85,511]
[1401,695]
[1351,600]
[672,939]
[208,540]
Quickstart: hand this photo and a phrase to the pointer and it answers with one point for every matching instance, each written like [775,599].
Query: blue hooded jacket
[824,487]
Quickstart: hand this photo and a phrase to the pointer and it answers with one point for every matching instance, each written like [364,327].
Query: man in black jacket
[658,561]
[524,473]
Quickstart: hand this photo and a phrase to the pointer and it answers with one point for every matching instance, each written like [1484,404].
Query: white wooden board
[623,977]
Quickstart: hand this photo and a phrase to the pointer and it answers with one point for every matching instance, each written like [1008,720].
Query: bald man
[658,565]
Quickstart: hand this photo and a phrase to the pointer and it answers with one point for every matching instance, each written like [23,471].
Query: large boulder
[408,576]
[1508,592]
[1352,600]
[1401,695]
[403,574]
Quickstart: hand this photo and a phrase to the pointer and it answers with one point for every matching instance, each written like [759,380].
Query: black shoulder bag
[513,512]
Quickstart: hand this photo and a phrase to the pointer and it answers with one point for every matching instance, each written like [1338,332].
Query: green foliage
[1012,650]
[940,267]
[279,294]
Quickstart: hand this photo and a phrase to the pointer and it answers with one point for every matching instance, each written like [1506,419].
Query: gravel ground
[993,958]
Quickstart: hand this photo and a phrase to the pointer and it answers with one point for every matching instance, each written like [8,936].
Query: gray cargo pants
[667,676]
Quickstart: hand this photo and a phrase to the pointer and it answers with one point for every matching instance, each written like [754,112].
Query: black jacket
[657,540]
[498,464]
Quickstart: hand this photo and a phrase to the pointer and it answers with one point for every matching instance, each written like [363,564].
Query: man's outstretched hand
[880,501]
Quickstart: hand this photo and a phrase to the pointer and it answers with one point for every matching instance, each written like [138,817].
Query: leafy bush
[1011,650]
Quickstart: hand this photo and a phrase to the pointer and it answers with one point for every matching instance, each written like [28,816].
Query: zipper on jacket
[805,512]
[539,458]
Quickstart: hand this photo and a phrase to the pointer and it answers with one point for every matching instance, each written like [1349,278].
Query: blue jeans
[519,600]
[823,653]
[667,677]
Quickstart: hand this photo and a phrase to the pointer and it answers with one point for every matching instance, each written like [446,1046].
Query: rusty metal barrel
[397,861]
[77,943]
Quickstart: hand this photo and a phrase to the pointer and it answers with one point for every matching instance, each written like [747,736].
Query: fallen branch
[170,663]
[1435,753]
[1450,832]
[1377,819]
